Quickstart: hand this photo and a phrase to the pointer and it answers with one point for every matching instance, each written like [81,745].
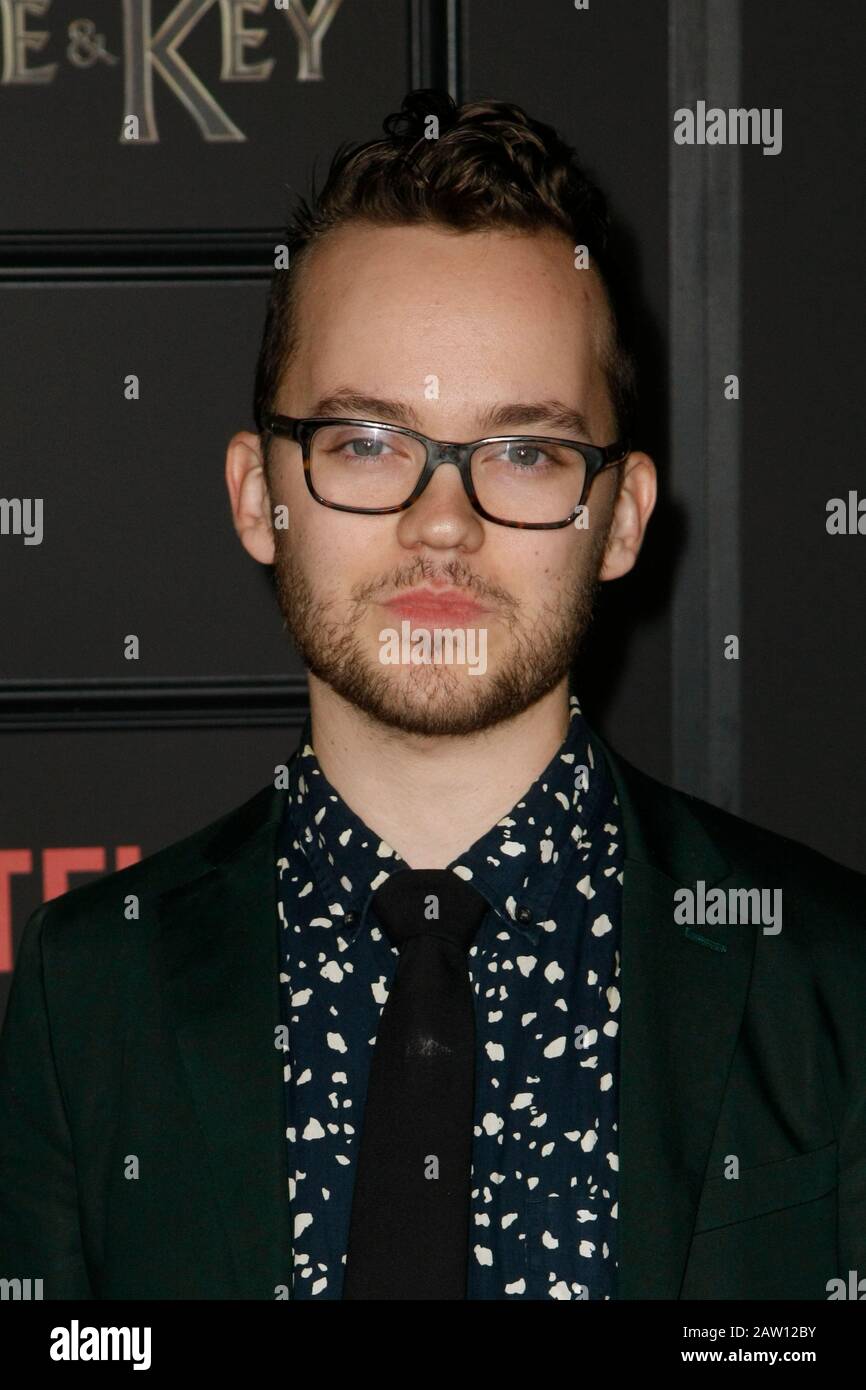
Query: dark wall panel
[137,529]
[804,414]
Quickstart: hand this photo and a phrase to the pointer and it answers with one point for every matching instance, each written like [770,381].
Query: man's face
[449,325]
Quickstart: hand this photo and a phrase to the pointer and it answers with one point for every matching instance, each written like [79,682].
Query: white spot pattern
[544,971]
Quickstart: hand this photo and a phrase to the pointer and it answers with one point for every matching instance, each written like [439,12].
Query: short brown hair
[490,165]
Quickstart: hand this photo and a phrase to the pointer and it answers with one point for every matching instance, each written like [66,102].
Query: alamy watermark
[439,646]
[22,516]
[76,1343]
[854,1289]
[20,1290]
[721,907]
[736,126]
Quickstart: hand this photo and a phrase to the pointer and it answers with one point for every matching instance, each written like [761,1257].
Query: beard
[434,699]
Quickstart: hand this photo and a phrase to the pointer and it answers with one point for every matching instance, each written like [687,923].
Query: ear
[631,511]
[249,496]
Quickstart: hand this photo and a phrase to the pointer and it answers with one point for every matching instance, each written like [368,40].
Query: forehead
[417,310]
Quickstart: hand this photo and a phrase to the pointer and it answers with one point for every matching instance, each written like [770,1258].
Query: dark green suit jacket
[142,1135]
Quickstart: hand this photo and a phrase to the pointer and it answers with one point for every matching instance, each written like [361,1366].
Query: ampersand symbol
[86,47]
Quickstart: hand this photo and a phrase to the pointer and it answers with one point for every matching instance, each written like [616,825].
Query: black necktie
[409,1229]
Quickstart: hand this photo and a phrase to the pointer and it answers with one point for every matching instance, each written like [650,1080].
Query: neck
[430,798]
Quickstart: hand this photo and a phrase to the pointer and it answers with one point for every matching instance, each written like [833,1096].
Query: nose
[443,516]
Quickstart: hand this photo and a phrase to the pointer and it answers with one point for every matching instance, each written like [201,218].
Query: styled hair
[489,166]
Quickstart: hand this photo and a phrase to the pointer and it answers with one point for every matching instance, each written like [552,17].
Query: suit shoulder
[750,849]
[168,868]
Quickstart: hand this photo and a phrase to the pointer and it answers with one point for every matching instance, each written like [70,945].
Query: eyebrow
[552,414]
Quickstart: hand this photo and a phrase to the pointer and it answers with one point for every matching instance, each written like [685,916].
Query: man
[463,1005]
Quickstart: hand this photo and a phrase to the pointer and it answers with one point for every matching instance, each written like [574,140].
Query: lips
[426,606]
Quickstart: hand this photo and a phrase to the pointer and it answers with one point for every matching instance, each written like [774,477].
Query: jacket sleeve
[40,1235]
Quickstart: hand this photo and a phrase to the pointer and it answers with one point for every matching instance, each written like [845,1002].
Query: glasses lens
[528,479]
[364,466]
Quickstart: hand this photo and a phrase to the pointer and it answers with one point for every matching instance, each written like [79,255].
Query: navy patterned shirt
[544,969]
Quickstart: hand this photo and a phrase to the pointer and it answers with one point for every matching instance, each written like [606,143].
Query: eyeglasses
[364,466]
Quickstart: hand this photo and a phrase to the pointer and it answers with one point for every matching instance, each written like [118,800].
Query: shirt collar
[517,865]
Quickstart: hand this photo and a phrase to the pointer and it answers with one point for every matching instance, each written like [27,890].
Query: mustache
[423,570]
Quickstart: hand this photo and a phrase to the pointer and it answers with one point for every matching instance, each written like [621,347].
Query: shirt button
[524,914]
[350,919]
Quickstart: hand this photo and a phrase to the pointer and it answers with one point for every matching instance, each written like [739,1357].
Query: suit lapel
[682,1004]
[219,963]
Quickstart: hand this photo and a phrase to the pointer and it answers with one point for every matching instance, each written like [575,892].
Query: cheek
[550,575]
[308,520]
[561,555]
[536,569]
[288,493]
[336,553]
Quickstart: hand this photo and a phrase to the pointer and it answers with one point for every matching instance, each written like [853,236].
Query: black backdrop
[151,257]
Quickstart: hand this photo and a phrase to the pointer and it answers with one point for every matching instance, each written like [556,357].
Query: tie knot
[429,902]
